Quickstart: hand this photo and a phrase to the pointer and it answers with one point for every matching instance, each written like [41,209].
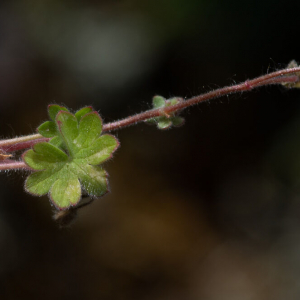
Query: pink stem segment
[271,78]
[22,145]
[13,165]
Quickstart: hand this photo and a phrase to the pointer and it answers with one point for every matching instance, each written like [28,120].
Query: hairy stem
[271,78]
[19,143]
[289,76]
[13,165]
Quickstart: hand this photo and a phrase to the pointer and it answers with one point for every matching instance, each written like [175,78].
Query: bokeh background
[210,210]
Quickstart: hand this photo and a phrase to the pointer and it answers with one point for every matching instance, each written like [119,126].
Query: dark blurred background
[210,210]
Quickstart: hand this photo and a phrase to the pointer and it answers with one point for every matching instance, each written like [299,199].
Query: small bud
[166,120]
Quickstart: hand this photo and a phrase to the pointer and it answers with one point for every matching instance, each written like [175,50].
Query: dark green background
[207,211]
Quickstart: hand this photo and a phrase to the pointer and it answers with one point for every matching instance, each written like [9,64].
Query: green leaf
[99,151]
[57,142]
[68,127]
[39,183]
[62,174]
[158,102]
[54,109]
[83,111]
[94,180]
[174,101]
[44,155]
[165,121]
[89,128]
[47,129]
[66,191]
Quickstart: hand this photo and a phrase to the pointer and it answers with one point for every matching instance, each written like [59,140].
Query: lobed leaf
[83,111]
[43,155]
[47,129]
[68,127]
[60,173]
[93,180]
[99,151]
[54,109]
[66,191]
[90,127]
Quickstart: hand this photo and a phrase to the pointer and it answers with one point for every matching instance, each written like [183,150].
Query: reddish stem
[13,165]
[282,76]
[23,145]
[271,78]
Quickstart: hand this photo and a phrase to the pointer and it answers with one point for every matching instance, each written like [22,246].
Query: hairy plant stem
[272,78]
[289,76]
[22,142]
[13,165]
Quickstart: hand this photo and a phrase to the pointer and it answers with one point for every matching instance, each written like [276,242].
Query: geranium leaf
[164,123]
[94,180]
[47,129]
[54,109]
[57,142]
[99,151]
[43,155]
[68,127]
[66,191]
[60,173]
[39,183]
[90,127]
[83,111]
